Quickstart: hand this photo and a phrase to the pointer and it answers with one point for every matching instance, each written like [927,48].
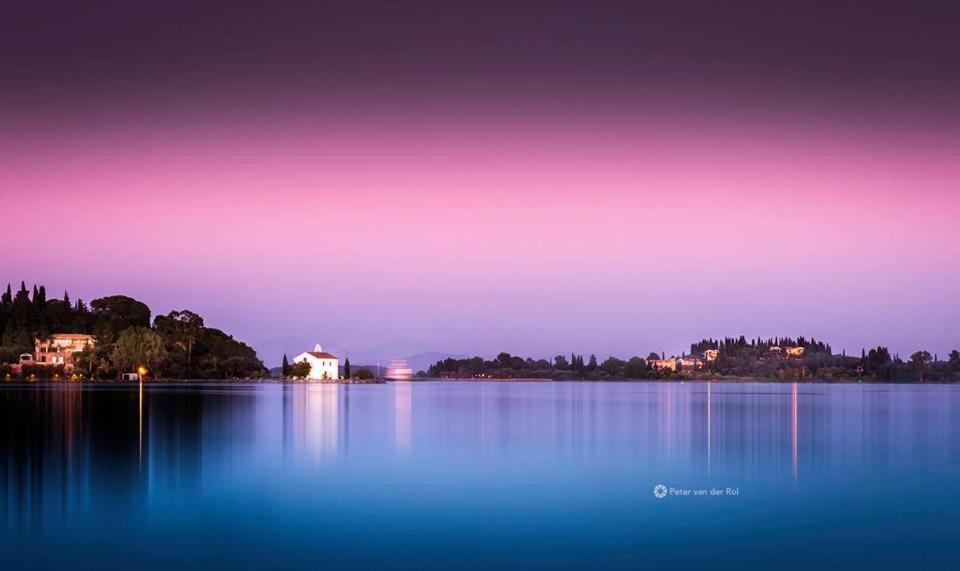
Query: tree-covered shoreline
[733,359]
[178,345]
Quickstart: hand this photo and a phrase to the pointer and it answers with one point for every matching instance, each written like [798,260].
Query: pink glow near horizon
[474,235]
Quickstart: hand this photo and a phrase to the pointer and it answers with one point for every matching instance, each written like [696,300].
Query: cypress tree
[285,368]
[346,368]
[7,298]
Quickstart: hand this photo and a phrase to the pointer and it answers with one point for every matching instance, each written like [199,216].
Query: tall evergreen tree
[346,368]
[285,368]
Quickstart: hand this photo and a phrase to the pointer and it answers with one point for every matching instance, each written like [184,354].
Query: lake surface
[479,475]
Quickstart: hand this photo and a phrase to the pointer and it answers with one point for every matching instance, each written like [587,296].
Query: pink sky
[608,232]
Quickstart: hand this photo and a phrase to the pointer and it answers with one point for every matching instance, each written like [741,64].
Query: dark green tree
[138,346]
[183,328]
[365,374]
[612,366]
[954,359]
[117,313]
[346,368]
[300,370]
[635,368]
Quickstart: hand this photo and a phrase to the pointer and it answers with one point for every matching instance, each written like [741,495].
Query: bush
[299,370]
[363,374]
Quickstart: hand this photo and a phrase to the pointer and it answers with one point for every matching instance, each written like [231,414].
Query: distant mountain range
[419,356]
[418,362]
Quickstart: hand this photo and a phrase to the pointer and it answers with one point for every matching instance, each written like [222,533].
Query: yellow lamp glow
[142,371]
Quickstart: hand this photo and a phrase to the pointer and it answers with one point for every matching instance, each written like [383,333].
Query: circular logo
[660,491]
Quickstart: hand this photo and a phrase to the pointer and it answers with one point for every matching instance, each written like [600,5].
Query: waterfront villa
[683,363]
[58,349]
[663,364]
[710,355]
[323,365]
[784,353]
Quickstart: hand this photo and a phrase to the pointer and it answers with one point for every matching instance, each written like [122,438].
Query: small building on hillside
[58,349]
[690,363]
[796,351]
[323,365]
[663,364]
[710,355]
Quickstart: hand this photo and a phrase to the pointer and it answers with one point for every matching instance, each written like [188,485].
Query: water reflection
[319,412]
[794,421]
[709,423]
[81,462]
[402,414]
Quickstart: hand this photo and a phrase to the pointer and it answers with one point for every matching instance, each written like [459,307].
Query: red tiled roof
[323,355]
[75,336]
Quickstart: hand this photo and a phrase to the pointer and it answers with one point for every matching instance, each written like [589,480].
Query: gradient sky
[540,178]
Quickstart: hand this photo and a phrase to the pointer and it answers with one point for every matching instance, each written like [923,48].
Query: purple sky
[604,178]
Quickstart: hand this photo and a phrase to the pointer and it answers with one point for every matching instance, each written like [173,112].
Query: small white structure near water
[323,365]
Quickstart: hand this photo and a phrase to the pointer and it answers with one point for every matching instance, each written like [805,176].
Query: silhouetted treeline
[507,366]
[177,345]
[735,358]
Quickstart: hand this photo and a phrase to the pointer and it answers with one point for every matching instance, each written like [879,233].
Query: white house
[323,365]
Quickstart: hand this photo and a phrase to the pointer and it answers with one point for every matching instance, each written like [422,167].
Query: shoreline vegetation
[730,359]
[119,338]
[180,347]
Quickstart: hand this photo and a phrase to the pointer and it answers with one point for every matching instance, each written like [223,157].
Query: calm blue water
[479,475]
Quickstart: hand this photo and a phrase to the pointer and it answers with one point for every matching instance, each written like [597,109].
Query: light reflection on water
[477,473]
